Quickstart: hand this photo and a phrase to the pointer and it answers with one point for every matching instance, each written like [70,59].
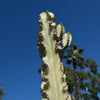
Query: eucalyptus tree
[89,80]
[74,56]
[92,82]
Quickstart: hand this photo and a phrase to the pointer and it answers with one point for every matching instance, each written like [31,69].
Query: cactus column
[51,44]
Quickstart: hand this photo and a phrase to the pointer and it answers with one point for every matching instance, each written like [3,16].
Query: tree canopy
[88,77]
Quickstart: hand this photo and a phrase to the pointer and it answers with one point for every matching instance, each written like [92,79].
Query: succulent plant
[51,44]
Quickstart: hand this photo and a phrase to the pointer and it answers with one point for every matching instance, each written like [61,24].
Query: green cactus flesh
[52,38]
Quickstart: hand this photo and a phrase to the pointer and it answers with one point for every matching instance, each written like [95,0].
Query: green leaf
[74,46]
[74,57]
[80,51]
[67,55]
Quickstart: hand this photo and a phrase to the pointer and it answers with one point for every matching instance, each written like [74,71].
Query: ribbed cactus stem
[51,37]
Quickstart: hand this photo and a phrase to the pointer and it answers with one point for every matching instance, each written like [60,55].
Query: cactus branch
[51,37]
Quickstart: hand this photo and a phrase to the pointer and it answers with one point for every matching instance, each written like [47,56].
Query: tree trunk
[76,80]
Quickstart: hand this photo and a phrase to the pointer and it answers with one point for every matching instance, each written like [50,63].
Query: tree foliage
[88,77]
[1,92]
[74,56]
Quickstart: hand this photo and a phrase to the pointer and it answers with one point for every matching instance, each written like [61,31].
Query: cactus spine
[51,44]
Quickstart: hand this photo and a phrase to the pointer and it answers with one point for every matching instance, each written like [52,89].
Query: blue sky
[19,57]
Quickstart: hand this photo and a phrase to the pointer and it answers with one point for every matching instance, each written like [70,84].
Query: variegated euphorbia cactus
[51,44]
